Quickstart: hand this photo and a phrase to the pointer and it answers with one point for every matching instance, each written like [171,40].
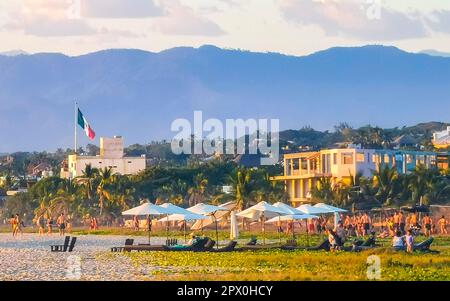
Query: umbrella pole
[264,230]
[279,228]
[217,233]
[185,237]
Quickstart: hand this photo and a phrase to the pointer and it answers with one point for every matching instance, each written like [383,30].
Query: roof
[405,140]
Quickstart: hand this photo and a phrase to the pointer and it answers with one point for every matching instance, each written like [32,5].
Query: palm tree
[242,184]
[88,177]
[198,191]
[386,181]
[102,188]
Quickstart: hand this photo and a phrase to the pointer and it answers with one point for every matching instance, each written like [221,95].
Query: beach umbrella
[335,210]
[291,217]
[308,209]
[212,211]
[184,217]
[173,210]
[288,209]
[262,210]
[219,215]
[147,209]
[234,231]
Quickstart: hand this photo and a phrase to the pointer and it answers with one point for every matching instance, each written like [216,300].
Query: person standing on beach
[40,223]
[443,225]
[61,222]
[12,221]
[136,223]
[427,224]
[49,225]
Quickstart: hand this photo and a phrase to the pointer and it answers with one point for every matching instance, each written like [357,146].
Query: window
[347,158]
[360,157]
[304,163]
[409,159]
[295,163]
[374,158]
[335,158]
[386,158]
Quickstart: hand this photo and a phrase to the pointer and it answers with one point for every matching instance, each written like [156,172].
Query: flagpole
[75,126]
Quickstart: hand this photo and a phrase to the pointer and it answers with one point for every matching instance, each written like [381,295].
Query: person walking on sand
[443,225]
[61,222]
[136,223]
[18,225]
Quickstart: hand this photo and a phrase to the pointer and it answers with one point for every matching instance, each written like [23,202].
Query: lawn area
[296,265]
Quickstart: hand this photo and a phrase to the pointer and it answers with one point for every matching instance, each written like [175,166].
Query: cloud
[439,21]
[46,18]
[183,20]
[120,9]
[355,19]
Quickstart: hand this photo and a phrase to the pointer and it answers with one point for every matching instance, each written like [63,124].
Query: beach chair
[424,246]
[72,244]
[209,245]
[291,243]
[61,248]
[228,248]
[128,242]
[252,241]
[171,242]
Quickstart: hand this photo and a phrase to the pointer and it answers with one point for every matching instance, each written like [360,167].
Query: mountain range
[137,94]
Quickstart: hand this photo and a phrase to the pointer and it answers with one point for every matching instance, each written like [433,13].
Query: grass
[296,265]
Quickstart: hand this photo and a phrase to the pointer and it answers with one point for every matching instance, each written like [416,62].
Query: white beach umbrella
[184,217]
[212,211]
[335,210]
[329,207]
[174,209]
[147,209]
[288,209]
[218,215]
[263,210]
[234,231]
[308,209]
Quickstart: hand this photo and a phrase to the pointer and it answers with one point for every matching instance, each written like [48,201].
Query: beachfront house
[442,139]
[302,171]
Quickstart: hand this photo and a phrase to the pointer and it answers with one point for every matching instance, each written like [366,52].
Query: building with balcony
[442,139]
[302,171]
[111,156]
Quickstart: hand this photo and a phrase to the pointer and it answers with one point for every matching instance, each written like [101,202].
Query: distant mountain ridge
[138,94]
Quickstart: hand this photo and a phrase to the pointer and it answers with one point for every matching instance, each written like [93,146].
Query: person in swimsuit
[41,225]
[427,224]
[49,225]
[443,225]
[61,222]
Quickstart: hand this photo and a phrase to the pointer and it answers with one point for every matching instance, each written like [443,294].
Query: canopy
[329,207]
[288,209]
[265,208]
[147,209]
[174,209]
[291,217]
[218,214]
[206,209]
[183,217]
[308,209]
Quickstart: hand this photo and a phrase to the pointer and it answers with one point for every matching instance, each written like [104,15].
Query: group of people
[16,224]
[44,224]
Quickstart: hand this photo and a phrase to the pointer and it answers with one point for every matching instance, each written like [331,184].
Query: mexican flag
[85,125]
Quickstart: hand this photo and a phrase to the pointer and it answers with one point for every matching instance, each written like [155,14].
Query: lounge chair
[209,245]
[252,241]
[424,246]
[171,242]
[197,246]
[72,244]
[128,242]
[228,248]
[325,245]
[61,248]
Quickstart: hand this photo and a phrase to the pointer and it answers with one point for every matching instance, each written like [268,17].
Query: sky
[295,27]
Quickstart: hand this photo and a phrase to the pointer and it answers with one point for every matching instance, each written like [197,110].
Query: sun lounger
[252,241]
[171,242]
[209,245]
[144,248]
[421,247]
[128,242]
[72,244]
[228,248]
[325,245]
[61,248]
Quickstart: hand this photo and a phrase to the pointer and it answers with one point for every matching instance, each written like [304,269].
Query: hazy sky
[288,26]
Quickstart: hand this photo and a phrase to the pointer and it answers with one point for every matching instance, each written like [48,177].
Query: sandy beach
[28,257]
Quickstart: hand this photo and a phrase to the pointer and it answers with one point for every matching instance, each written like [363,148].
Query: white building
[442,139]
[111,156]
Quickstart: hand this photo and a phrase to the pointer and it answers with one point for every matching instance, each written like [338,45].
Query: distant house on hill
[41,170]
[442,139]
[405,141]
